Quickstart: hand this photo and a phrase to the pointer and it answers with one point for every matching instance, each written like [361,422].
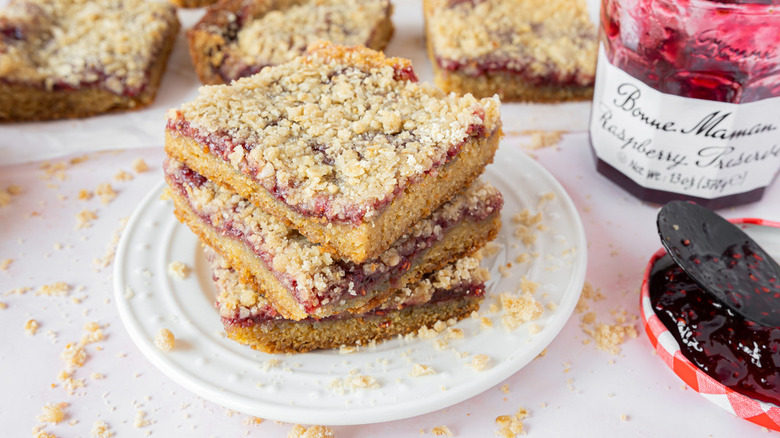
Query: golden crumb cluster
[339,131]
[542,38]
[299,431]
[77,42]
[284,33]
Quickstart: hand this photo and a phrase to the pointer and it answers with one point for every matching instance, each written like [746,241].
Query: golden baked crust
[72,58]
[188,4]
[522,50]
[341,144]
[249,319]
[237,38]
[301,279]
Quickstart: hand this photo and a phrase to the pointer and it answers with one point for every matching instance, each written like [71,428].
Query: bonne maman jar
[687,99]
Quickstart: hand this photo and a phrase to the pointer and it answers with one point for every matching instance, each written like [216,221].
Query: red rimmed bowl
[767,234]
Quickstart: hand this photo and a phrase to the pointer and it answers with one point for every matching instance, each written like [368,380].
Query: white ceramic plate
[306,388]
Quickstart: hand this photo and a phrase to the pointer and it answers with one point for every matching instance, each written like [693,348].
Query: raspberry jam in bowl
[687,99]
[729,360]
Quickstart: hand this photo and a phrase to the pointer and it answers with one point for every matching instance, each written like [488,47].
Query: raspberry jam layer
[268,314]
[738,353]
[504,65]
[347,279]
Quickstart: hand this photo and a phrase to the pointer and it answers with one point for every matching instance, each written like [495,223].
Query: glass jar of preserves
[687,99]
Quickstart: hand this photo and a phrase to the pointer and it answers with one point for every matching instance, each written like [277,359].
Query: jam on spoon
[716,291]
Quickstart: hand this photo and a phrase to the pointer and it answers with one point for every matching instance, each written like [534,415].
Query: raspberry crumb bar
[237,38]
[522,50]
[76,58]
[451,292]
[342,144]
[302,280]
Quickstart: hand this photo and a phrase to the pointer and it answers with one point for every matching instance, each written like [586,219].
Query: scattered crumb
[480,362]
[164,340]
[5,198]
[519,309]
[53,413]
[105,192]
[610,337]
[178,270]
[31,327]
[140,166]
[101,430]
[59,289]
[141,420]
[441,431]
[623,417]
[489,250]
[510,426]
[299,431]
[84,219]
[357,381]
[108,257]
[123,176]
[85,195]
[541,139]
[3,305]
[419,369]
[166,194]
[5,263]
[505,389]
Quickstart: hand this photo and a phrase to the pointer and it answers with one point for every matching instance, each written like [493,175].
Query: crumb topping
[69,43]
[178,270]
[304,267]
[545,39]
[336,133]
[283,33]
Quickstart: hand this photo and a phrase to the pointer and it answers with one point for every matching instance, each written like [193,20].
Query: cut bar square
[237,38]
[67,58]
[448,294]
[297,276]
[522,50]
[342,144]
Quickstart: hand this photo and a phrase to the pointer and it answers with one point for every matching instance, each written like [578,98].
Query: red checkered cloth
[763,414]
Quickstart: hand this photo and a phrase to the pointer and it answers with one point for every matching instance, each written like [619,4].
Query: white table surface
[574,390]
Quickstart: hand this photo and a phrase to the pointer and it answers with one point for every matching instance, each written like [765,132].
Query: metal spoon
[723,260]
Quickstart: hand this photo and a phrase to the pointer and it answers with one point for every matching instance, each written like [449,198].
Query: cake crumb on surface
[519,309]
[419,369]
[510,426]
[164,340]
[31,327]
[123,176]
[53,413]
[105,192]
[100,429]
[84,219]
[139,165]
[141,420]
[480,362]
[5,264]
[178,270]
[441,431]
[58,289]
[299,431]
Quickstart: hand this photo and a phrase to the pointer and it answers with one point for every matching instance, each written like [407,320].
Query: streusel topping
[540,37]
[304,267]
[237,300]
[284,33]
[76,42]
[336,133]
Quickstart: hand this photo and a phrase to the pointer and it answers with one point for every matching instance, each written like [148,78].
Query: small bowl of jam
[713,350]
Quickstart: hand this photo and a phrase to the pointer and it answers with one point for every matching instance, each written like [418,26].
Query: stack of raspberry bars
[338,197]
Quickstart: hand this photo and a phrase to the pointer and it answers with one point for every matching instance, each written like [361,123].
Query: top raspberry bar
[343,144]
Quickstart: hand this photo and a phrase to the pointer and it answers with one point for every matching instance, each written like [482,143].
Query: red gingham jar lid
[761,413]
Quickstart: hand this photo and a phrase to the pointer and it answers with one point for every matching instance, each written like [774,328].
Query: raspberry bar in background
[67,59]
[343,144]
[237,38]
[522,50]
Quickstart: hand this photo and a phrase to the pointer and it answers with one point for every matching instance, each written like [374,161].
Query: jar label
[693,147]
